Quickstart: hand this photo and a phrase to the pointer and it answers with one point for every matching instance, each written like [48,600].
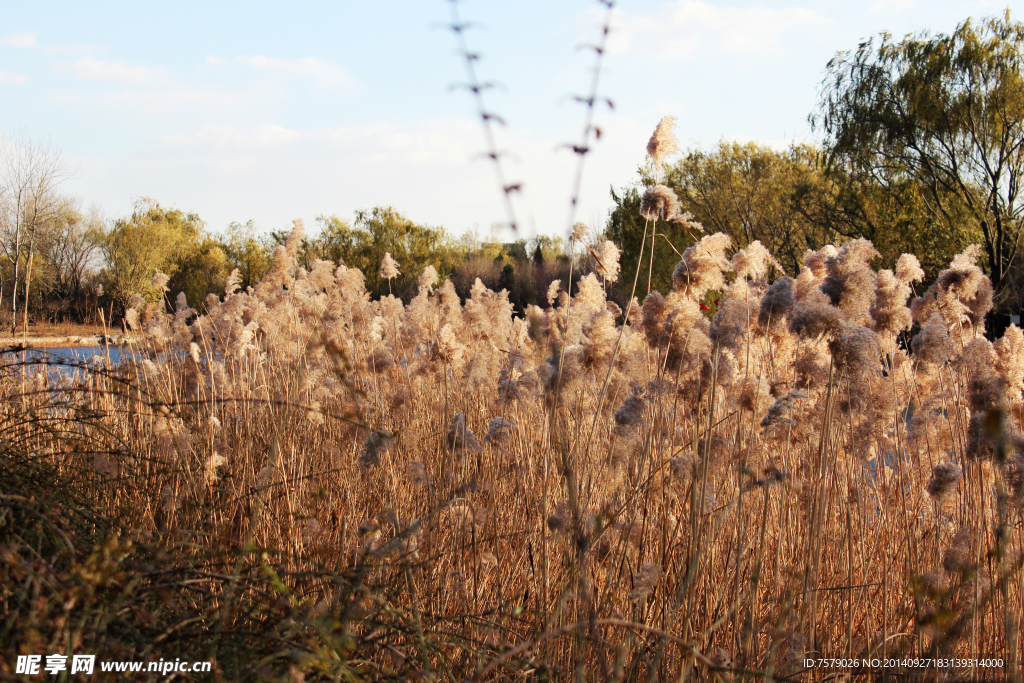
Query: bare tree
[73,248]
[30,173]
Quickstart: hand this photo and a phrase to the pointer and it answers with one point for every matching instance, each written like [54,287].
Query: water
[69,354]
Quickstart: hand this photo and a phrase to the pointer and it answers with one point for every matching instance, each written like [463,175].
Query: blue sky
[272,111]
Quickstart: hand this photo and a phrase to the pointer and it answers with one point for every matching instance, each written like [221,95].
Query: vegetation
[378,453]
[307,483]
[945,112]
[923,153]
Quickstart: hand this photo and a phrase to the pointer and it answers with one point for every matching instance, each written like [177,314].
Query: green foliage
[944,111]
[153,239]
[202,271]
[895,216]
[626,227]
[791,200]
[745,191]
[376,232]
[246,252]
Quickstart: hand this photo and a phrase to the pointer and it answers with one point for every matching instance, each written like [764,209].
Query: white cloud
[326,73]
[11,78]
[90,69]
[687,27]
[212,60]
[19,39]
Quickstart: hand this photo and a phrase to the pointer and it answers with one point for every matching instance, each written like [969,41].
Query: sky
[271,111]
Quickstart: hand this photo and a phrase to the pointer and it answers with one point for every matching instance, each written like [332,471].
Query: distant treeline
[922,152]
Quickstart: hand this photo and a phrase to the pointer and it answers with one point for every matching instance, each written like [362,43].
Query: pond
[61,354]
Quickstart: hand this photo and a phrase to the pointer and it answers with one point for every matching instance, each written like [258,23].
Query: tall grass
[302,482]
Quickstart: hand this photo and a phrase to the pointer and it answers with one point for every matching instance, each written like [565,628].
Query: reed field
[719,482]
[300,483]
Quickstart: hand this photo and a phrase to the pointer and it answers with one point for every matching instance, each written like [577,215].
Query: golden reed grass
[302,483]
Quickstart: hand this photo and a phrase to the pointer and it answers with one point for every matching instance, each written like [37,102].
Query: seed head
[234,282]
[908,269]
[957,557]
[659,203]
[376,443]
[460,437]
[389,267]
[631,412]
[553,292]
[932,344]
[608,266]
[944,479]
[428,278]
[159,281]
[663,142]
[645,581]
[294,241]
[499,430]
[776,304]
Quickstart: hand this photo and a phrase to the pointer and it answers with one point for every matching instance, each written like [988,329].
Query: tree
[69,251]
[151,240]
[246,252]
[746,191]
[790,200]
[842,205]
[30,173]
[384,230]
[201,271]
[945,110]
[74,242]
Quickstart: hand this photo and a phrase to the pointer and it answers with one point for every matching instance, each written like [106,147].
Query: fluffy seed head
[957,557]
[377,443]
[944,479]
[631,412]
[234,282]
[932,344]
[389,267]
[753,261]
[460,437]
[294,242]
[889,310]
[499,430]
[659,203]
[663,142]
[908,269]
[703,266]
[159,282]
[608,265]
[779,412]
[428,278]
[776,304]
[553,292]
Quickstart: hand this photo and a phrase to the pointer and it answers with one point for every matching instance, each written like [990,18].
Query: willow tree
[945,111]
[152,239]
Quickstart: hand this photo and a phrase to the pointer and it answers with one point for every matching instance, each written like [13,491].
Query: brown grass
[282,485]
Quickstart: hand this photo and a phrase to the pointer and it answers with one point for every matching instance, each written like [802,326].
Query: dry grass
[307,483]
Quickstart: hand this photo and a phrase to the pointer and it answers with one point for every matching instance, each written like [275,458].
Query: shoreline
[64,341]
